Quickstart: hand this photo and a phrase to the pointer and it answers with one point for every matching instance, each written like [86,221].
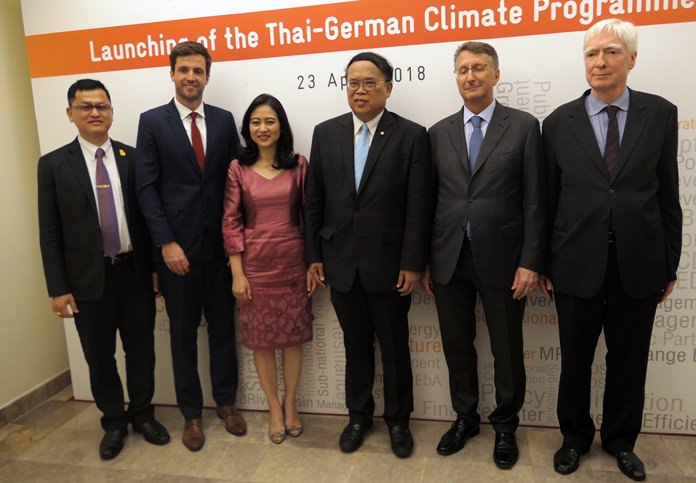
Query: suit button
[470,200]
[604,220]
[356,210]
[611,192]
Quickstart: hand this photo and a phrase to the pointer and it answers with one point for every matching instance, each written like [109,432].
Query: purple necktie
[611,148]
[107,209]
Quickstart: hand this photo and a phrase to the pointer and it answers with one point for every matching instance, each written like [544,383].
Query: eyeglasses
[87,108]
[474,69]
[368,85]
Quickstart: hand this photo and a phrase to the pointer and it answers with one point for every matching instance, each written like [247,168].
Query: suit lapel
[379,140]
[182,138]
[635,123]
[494,133]
[583,132]
[77,163]
[455,131]
[347,140]
[122,165]
[211,135]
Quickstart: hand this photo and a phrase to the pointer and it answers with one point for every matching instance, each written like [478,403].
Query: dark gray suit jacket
[643,198]
[503,199]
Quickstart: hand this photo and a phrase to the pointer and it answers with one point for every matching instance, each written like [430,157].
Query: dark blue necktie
[475,142]
[611,148]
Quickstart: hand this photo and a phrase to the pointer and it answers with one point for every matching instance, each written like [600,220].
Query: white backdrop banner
[297,51]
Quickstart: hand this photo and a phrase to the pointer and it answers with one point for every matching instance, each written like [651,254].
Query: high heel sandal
[276,437]
[294,431]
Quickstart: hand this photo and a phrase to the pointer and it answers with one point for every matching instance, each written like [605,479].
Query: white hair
[625,31]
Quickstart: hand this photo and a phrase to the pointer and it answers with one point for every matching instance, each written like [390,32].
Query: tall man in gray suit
[615,244]
[487,238]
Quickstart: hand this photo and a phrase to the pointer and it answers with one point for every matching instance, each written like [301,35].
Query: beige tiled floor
[58,442]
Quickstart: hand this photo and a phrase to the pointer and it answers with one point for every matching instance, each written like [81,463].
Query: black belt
[119,259]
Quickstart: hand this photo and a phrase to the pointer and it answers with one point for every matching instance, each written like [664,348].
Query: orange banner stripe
[367,24]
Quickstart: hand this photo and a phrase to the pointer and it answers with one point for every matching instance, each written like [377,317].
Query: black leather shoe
[505,451]
[455,437]
[153,432]
[630,465]
[352,436]
[112,443]
[401,441]
[566,460]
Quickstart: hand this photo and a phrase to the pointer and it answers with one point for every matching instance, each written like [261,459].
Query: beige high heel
[294,431]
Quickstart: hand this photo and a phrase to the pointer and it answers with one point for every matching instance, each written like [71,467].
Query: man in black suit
[615,244]
[184,148]
[487,238]
[367,212]
[96,257]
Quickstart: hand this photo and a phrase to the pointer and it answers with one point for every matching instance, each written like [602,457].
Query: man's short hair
[382,64]
[625,31]
[477,48]
[187,48]
[85,85]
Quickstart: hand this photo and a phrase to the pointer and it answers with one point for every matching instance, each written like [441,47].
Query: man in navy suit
[367,216]
[183,151]
[615,241]
[97,262]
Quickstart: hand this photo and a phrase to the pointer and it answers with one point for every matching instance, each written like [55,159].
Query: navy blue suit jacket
[178,200]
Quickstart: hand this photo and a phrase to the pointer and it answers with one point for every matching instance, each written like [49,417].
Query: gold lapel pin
[122,152]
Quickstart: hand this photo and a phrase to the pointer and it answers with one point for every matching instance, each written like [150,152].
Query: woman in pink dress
[262,230]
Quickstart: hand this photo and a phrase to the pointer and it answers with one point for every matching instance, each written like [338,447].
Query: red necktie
[611,148]
[197,142]
[111,239]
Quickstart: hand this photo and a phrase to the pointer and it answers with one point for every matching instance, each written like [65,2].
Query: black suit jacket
[503,199]
[70,236]
[380,228]
[643,199]
[178,200]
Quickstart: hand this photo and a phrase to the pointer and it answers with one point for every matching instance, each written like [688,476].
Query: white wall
[32,339]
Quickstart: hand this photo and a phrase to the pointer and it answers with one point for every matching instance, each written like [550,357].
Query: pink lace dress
[262,221]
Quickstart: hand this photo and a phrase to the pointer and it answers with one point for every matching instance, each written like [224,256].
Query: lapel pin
[381,133]
[122,152]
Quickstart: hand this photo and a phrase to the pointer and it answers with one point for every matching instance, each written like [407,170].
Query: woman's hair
[286,158]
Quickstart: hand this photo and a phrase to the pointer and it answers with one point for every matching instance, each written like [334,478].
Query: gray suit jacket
[503,199]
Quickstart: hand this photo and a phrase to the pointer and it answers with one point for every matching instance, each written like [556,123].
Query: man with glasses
[487,238]
[97,262]
[615,244]
[368,208]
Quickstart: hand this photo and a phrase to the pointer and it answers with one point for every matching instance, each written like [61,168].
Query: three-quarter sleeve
[233,211]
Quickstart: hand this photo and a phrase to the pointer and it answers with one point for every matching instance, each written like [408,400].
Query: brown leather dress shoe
[193,437]
[234,422]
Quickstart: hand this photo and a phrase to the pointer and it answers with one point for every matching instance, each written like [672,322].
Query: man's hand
[315,272]
[408,281]
[175,258]
[64,306]
[427,282]
[525,281]
[546,286]
[241,289]
[667,290]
